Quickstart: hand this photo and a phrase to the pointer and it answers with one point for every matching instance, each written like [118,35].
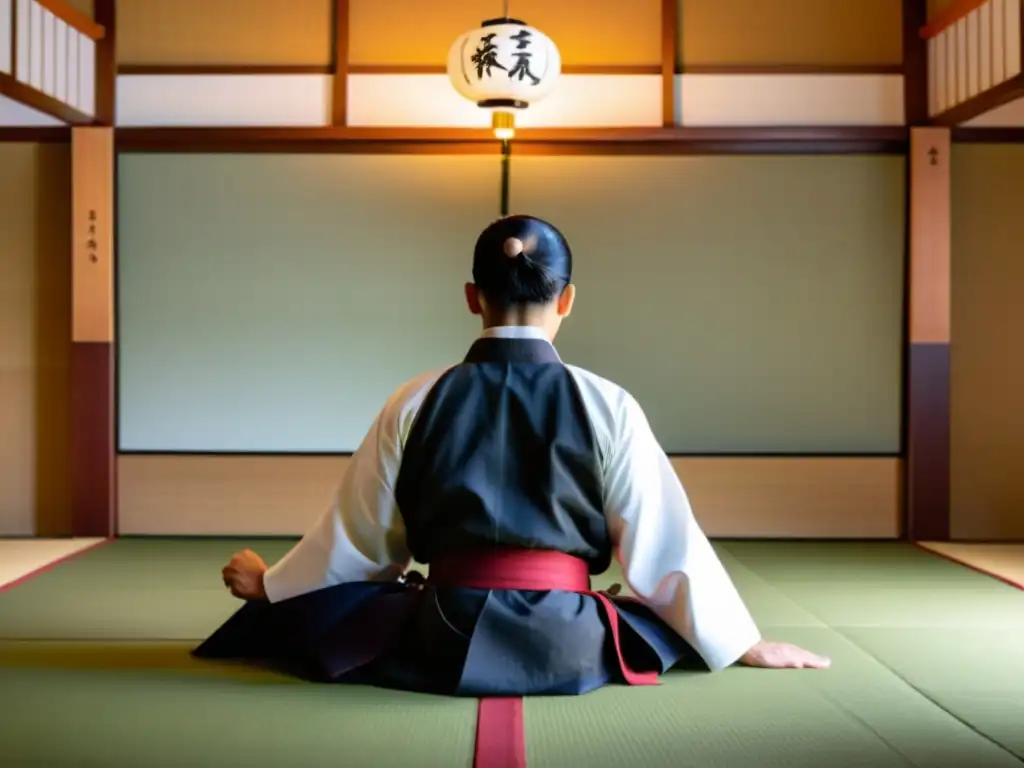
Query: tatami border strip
[500,734]
[977,569]
[51,565]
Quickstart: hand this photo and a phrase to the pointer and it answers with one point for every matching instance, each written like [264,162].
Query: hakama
[513,476]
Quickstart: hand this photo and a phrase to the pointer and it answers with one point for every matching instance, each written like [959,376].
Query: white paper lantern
[505,64]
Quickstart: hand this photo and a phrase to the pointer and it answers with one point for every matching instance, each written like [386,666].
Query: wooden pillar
[669,46]
[928,337]
[93,448]
[339,79]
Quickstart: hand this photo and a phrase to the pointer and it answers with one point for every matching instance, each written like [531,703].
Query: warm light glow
[504,125]
[504,64]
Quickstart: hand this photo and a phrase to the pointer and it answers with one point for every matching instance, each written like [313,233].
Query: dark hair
[521,260]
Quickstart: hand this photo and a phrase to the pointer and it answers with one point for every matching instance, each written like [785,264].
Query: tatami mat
[131,589]
[20,557]
[138,719]
[924,674]
[1005,561]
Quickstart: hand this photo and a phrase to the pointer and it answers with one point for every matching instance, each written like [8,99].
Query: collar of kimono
[513,344]
[515,332]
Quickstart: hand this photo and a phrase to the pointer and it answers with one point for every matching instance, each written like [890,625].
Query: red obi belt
[533,570]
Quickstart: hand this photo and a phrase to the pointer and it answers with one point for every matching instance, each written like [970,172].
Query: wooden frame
[39,101]
[915,63]
[1005,92]
[339,83]
[642,141]
[669,46]
[355,69]
[37,134]
[94,446]
[106,63]
[927,360]
[74,18]
[988,135]
[93,348]
[17,90]
[94,344]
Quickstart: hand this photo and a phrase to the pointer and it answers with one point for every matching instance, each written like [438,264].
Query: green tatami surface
[928,670]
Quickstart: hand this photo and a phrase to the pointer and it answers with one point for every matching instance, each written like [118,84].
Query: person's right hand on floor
[782,656]
[244,576]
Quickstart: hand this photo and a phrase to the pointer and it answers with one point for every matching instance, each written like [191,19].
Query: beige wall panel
[215,495]
[270,32]
[769,497]
[35,339]
[987,365]
[790,32]
[586,31]
[794,497]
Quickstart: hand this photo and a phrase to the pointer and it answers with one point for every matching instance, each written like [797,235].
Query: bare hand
[783,656]
[244,576]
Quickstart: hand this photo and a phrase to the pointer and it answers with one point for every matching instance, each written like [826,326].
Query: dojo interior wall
[767,289]
[35,338]
[987,347]
[402,37]
[731,33]
[715,36]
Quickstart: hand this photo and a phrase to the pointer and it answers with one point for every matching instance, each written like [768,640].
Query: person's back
[503,453]
[513,477]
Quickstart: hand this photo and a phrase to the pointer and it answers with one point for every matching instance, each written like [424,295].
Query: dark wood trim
[915,112]
[928,449]
[39,101]
[339,88]
[988,135]
[915,63]
[93,460]
[40,135]
[358,69]
[643,141]
[225,69]
[997,96]
[671,454]
[74,18]
[791,69]
[669,57]
[949,16]
[567,69]
[106,62]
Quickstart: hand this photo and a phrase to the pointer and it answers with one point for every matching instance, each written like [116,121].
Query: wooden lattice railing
[48,58]
[973,47]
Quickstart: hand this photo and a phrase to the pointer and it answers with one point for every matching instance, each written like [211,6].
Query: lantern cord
[506,167]
[506,152]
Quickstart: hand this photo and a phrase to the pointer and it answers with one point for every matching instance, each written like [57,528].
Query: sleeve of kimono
[666,558]
[361,536]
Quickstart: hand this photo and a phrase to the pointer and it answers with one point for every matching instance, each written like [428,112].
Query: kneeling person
[514,476]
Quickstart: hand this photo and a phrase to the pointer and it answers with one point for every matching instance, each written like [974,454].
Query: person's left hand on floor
[244,576]
[768,655]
